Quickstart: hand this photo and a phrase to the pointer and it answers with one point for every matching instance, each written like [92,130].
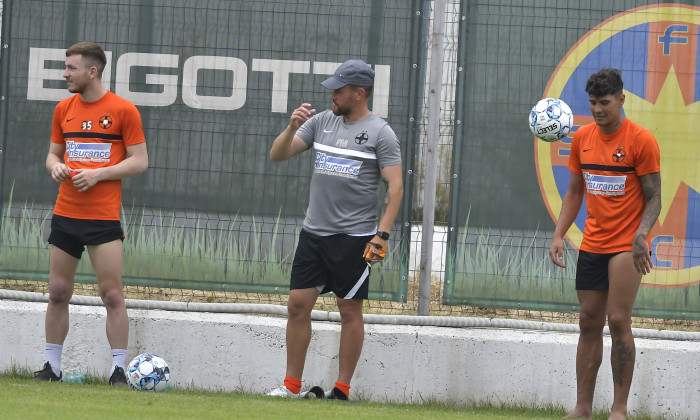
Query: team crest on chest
[361,138]
[105,121]
[619,154]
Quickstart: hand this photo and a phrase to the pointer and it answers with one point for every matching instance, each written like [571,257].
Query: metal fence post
[433,135]
[4,91]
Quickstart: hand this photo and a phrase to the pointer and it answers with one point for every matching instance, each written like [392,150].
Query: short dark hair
[368,89]
[90,51]
[606,81]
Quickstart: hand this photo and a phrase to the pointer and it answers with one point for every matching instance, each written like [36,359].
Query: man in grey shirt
[354,150]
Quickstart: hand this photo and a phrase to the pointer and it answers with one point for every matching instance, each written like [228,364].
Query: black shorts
[71,235]
[332,263]
[592,271]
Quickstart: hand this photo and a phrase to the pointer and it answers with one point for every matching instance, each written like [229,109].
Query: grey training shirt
[343,197]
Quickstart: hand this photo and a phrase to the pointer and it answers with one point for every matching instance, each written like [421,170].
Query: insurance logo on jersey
[333,165]
[604,184]
[88,152]
[656,48]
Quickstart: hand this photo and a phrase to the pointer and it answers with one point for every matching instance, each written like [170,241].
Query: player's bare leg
[107,262]
[624,284]
[589,353]
[299,306]
[62,268]
[352,334]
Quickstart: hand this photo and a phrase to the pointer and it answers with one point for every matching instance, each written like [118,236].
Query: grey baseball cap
[351,72]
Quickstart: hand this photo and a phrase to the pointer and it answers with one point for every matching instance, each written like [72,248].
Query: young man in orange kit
[96,140]
[615,164]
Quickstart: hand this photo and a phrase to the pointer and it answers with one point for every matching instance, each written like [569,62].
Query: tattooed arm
[651,185]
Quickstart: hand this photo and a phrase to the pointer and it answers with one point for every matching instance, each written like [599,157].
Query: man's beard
[340,111]
[76,88]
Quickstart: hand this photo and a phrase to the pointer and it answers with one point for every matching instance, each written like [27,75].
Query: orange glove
[374,253]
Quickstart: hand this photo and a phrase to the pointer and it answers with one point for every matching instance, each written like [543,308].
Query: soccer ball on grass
[148,372]
[551,119]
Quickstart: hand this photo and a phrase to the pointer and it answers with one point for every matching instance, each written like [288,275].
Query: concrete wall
[235,352]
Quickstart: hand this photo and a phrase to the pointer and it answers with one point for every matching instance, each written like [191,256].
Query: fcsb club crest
[656,48]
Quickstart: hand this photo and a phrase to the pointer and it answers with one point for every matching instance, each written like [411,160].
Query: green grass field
[22,398]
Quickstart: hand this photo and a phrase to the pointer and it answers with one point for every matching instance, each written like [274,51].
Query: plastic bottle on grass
[74,378]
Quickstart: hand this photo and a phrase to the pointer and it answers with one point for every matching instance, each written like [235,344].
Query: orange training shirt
[95,135]
[611,166]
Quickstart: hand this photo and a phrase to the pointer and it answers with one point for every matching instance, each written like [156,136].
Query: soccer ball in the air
[148,372]
[551,119]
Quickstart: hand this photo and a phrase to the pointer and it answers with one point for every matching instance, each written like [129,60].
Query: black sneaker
[336,394]
[314,392]
[46,374]
[118,378]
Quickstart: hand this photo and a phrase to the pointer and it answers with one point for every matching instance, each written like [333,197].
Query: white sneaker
[282,391]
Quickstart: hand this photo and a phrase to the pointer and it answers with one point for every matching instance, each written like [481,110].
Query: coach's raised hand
[288,144]
[300,116]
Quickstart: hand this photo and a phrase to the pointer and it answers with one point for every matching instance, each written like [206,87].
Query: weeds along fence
[214,220]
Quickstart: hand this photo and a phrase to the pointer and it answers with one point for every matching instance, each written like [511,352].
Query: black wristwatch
[383,235]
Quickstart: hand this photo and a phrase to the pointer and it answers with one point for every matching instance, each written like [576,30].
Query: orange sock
[292,384]
[343,387]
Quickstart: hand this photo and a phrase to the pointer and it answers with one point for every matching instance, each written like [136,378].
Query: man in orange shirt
[615,163]
[96,140]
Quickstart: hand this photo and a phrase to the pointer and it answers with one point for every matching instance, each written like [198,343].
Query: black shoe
[118,378]
[336,394]
[46,374]
[314,392]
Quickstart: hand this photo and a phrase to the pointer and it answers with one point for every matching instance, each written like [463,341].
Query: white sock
[53,356]
[118,359]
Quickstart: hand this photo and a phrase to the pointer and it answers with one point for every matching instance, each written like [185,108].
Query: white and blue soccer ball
[551,119]
[148,372]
